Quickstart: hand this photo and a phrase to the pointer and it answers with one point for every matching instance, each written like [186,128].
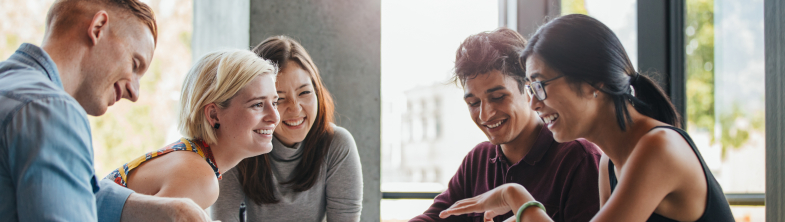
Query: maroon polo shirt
[563,176]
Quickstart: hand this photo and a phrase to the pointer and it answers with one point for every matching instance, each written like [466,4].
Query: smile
[264,131]
[491,126]
[550,118]
[294,122]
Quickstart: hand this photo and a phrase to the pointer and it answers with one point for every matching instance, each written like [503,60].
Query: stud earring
[595,94]
[217,125]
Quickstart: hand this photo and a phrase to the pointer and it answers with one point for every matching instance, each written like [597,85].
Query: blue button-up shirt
[46,153]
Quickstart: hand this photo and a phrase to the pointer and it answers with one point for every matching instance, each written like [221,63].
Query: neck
[517,149]
[225,159]
[614,142]
[67,57]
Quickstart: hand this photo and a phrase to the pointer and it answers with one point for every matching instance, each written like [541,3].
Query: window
[725,68]
[619,15]
[426,127]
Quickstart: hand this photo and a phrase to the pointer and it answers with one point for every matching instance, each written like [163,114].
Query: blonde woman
[227,113]
[314,172]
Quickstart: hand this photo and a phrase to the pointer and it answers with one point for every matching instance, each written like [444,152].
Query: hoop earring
[217,125]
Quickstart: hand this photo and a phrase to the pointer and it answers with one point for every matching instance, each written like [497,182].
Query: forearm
[110,200]
[516,196]
[141,207]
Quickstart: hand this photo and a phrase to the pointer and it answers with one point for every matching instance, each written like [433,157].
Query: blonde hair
[216,78]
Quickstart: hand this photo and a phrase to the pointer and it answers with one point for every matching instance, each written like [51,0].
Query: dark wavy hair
[585,50]
[486,51]
[255,172]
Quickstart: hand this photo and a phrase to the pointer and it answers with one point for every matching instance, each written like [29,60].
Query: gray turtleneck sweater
[336,196]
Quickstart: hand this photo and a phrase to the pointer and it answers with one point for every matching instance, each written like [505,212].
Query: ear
[211,113]
[588,89]
[97,29]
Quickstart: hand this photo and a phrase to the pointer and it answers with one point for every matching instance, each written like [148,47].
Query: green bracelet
[527,205]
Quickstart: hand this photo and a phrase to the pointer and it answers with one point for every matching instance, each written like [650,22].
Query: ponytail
[651,100]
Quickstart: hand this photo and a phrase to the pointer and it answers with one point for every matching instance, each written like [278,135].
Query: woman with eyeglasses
[583,85]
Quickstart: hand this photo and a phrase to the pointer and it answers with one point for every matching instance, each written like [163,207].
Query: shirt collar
[540,147]
[284,153]
[38,59]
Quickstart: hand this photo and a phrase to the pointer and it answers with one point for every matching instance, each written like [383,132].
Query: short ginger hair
[64,13]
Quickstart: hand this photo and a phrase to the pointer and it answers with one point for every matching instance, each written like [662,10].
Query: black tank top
[717,208]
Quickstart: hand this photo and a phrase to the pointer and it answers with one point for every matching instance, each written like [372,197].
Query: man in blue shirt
[93,54]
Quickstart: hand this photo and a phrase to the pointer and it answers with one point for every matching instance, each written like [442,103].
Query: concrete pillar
[344,40]
[774,14]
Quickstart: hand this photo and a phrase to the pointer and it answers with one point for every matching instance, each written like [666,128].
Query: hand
[185,209]
[140,207]
[495,202]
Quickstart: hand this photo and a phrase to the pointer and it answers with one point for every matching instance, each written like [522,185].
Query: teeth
[550,118]
[295,123]
[269,131]
[495,125]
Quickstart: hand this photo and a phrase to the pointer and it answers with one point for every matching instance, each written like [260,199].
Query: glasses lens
[538,90]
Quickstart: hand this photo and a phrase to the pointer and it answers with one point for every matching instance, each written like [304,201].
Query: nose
[535,103]
[296,107]
[132,90]
[271,114]
[486,112]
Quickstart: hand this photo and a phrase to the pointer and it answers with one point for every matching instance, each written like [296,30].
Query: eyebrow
[304,85]
[535,75]
[258,98]
[491,90]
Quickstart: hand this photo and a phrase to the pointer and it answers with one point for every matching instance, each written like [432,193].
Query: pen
[242,212]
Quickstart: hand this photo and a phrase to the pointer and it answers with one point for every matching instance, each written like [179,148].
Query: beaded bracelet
[526,205]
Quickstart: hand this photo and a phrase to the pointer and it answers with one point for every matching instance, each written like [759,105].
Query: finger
[511,219]
[461,210]
[489,215]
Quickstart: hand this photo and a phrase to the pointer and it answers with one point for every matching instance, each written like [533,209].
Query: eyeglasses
[537,88]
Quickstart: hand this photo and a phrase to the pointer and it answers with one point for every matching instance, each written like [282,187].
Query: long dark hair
[255,172]
[585,50]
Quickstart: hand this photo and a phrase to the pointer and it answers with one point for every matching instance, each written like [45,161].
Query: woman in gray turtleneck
[313,172]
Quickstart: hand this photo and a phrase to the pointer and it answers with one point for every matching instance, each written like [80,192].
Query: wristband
[527,205]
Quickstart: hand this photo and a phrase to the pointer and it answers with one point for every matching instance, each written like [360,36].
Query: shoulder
[581,149]
[187,175]
[662,144]
[666,148]
[29,120]
[341,142]
[186,164]
[342,146]
[342,137]
[663,154]
[23,81]
[30,92]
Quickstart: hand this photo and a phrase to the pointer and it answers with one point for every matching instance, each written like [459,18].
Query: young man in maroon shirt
[563,176]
